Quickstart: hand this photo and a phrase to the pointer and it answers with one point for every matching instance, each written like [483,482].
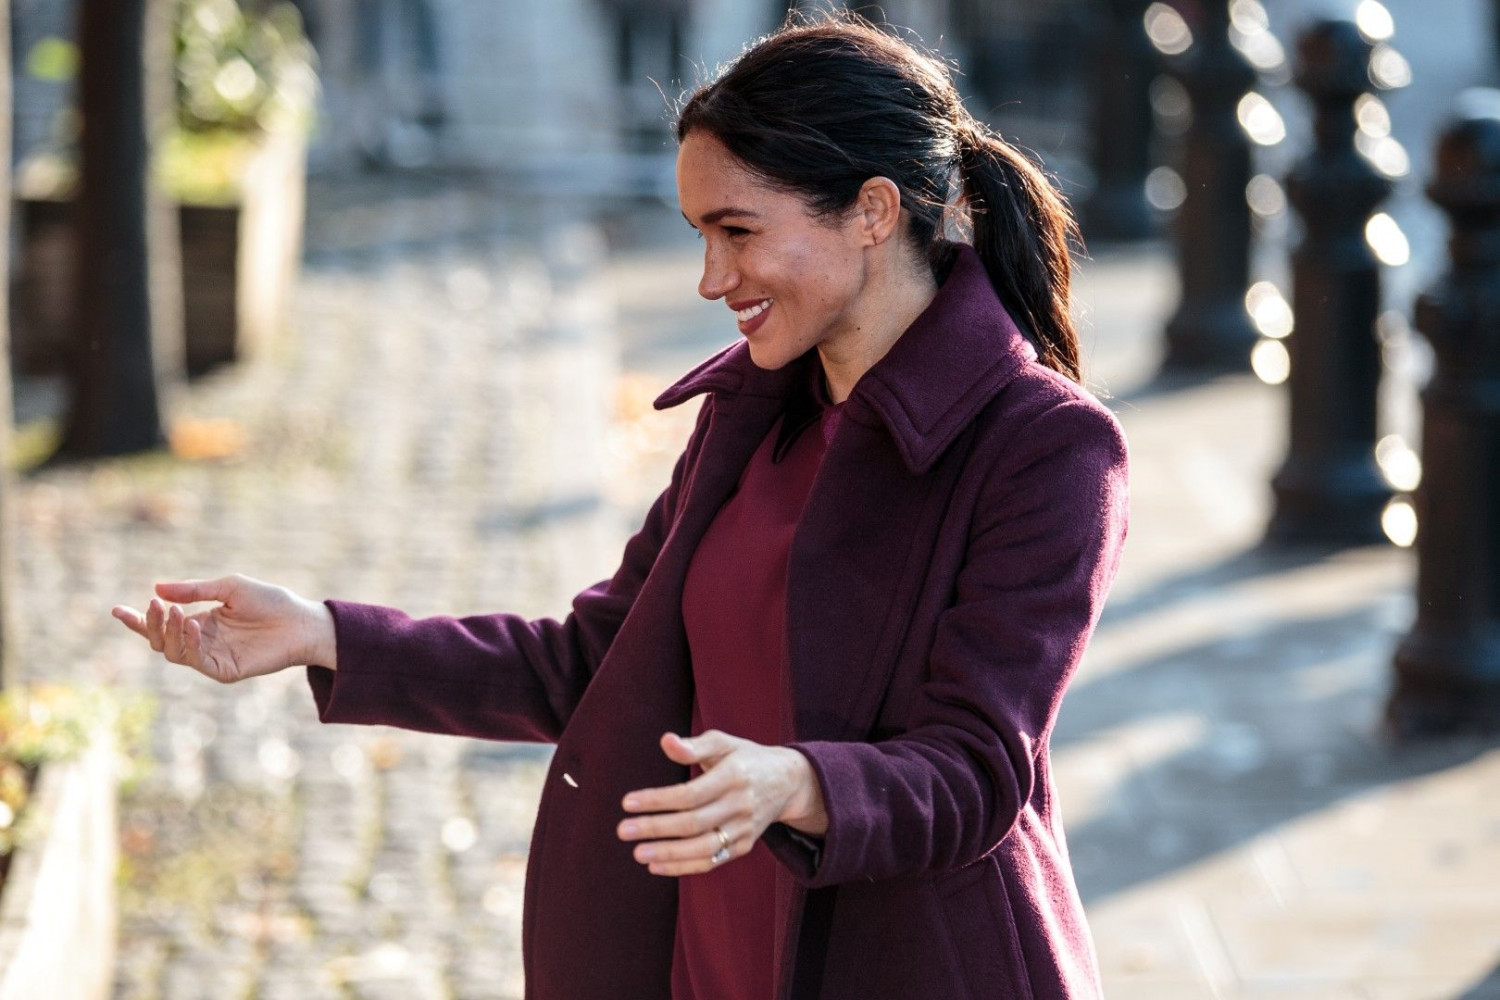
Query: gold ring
[722,854]
[723,837]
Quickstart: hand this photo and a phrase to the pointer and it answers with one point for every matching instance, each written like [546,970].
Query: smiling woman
[802,733]
[846,282]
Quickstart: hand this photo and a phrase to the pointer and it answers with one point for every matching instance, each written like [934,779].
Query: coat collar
[953,359]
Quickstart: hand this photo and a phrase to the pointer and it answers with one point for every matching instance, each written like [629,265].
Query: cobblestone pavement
[432,437]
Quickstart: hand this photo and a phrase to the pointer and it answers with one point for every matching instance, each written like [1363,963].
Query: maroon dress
[734,610]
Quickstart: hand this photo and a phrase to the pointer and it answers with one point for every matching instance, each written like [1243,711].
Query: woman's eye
[736,231]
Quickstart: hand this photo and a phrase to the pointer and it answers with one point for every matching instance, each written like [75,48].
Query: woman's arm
[1042,554]
[497,676]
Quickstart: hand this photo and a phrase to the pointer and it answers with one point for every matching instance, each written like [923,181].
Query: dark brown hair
[829,101]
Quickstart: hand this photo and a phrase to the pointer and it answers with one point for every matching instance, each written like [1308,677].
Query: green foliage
[53,59]
[240,74]
[204,168]
[242,71]
[43,724]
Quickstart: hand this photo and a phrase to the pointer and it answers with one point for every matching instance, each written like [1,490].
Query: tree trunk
[114,405]
[8,633]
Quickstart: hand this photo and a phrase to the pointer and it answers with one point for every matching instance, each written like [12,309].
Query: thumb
[188,591]
[706,746]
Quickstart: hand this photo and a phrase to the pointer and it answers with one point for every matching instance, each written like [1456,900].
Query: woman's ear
[878,210]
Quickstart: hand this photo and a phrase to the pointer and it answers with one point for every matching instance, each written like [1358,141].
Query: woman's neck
[882,318]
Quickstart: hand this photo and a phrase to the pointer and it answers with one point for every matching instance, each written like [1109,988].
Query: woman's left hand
[744,788]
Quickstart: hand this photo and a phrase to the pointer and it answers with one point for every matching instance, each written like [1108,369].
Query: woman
[863,593]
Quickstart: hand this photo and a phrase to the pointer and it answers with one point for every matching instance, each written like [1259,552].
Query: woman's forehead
[712,181]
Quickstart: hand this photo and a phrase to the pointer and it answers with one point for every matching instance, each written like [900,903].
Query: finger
[690,849]
[192,643]
[677,825]
[706,746]
[130,617]
[172,637]
[191,591]
[700,858]
[155,613]
[676,798]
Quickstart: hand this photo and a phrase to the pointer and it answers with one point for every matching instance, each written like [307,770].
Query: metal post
[1330,491]
[1123,62]
[1211,330]
[1448,666]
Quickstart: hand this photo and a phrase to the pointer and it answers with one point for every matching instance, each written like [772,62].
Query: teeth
[746,315]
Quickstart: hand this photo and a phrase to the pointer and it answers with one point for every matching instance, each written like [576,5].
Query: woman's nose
[718,280]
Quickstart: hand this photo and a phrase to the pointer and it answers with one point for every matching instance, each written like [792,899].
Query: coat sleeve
[1042,553]
[495,676]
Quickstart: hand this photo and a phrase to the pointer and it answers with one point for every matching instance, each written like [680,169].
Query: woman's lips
[747,327]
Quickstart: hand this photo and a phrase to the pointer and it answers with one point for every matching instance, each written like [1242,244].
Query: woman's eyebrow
[720,213]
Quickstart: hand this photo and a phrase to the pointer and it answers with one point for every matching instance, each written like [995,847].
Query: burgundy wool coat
[948,569]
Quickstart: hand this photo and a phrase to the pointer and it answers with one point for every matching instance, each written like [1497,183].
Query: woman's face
[790,278]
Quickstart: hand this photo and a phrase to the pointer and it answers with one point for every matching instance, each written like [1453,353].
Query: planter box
[239,267]
[240,262]
[57,907]
[43,285]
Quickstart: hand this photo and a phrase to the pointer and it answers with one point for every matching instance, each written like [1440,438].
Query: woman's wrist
[804,810]
[321,644]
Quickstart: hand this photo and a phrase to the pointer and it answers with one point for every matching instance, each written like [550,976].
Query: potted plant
[233,161]
[61,751]
[236,163]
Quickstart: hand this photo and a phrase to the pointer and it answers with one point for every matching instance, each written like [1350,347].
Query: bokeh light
[1265,196]
[1374,21]
[1165,189]
[1399,522]
[1248,16]
[1269,309]
[1399,464]
[1389,68]
[1271,362]
[1371,115]
[459,834]
[1260,120]
[1387,240]
[1167,30]
[1171,106]
[1384,153]
[1250,32]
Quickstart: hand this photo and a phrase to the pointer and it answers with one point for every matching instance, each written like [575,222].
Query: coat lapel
[858,554]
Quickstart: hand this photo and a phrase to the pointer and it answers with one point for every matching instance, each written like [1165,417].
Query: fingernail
[631,802]
[629,829]
[645,854]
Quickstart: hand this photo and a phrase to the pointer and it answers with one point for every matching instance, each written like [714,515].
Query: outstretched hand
[744,788]
[257,628]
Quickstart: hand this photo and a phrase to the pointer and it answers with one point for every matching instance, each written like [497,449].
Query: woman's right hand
[257,628]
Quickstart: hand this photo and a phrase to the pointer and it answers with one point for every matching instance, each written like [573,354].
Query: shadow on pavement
[1230,738]
[1251,564]
[1487,988]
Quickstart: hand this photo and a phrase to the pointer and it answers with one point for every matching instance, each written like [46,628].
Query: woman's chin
[769,357]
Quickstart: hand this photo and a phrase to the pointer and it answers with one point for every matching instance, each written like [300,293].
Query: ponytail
[1022,230]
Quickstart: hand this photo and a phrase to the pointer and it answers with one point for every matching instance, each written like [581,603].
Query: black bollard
[1448,666]
[1330,490]
[1211,330]
[1124,63]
